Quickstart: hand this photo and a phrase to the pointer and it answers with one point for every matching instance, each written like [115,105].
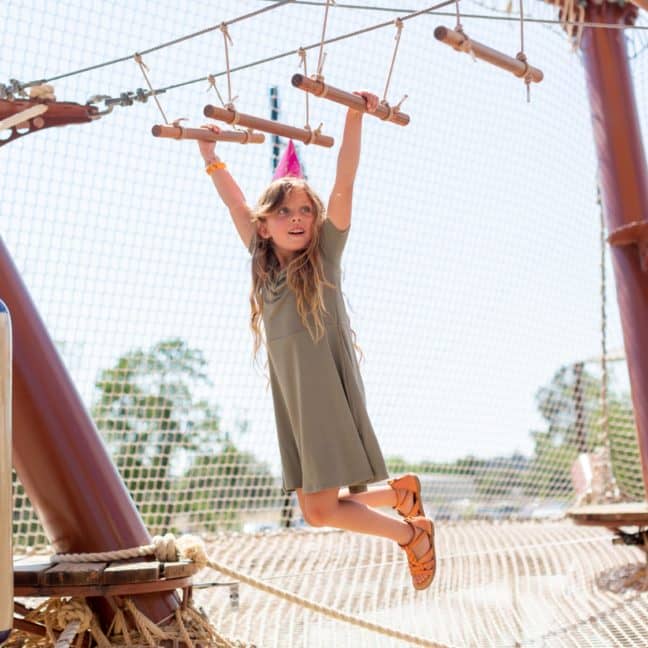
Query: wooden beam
[179,132]
[462,43]
[320,89]
[276,128]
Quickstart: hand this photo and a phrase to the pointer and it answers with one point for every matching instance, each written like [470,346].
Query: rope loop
[236,116]
[176,123]
[311,135]
[390,110]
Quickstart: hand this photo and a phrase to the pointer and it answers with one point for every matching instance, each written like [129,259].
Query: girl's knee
[319,509]
[318,515]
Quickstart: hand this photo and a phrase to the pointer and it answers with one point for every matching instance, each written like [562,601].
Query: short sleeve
[332,241]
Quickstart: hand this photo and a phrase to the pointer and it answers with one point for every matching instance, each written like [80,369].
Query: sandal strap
[425,564]
[401,495]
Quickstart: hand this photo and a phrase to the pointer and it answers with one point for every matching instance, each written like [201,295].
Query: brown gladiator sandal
[407,483]
[426,564]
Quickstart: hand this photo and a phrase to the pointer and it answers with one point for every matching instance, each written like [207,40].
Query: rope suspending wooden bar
[323,90]
[276,128]
[461,42]
[178,132]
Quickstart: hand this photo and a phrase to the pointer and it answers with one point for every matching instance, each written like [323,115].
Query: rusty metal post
[624,184]
[6,517]
[58,454]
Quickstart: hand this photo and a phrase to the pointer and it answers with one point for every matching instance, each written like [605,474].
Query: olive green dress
[326,439]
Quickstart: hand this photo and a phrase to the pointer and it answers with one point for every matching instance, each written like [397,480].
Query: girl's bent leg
[381,496]
[326,508]
[376,497]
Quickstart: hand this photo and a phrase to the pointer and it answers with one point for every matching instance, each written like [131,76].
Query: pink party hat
[289,164]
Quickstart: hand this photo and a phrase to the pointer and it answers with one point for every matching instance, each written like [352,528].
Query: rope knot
[192,548]
[165,548]
[140,61]
[226,34]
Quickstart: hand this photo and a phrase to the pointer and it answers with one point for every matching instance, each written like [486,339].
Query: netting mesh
[473,267]
[472,273]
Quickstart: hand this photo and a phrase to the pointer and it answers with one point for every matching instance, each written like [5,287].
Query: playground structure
[48,405]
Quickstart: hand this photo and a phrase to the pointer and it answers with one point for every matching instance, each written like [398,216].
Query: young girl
[325,436]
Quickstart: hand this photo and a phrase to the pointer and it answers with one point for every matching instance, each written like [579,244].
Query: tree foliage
[161,436]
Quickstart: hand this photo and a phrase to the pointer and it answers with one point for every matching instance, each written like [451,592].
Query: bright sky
[472,269]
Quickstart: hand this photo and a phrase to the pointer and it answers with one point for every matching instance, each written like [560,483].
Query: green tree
[571,406]
[151,422]
[219,486]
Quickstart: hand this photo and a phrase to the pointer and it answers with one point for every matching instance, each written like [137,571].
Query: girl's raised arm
[340,201]
[228,190]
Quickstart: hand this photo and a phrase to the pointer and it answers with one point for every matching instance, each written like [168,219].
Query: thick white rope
[168,548]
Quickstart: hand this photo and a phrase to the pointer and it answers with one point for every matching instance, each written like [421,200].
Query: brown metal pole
[624,184]
[6,517]
[58,455]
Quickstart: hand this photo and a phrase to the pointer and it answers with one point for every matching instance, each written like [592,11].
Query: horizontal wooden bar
[267,126]
[611,515]
[325,91]
[458,41]
[205,135]
[27,574]
[132,589]
[73,574]
[31,627]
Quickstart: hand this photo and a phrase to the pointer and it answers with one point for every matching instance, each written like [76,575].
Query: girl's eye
[306,209]
[283,211]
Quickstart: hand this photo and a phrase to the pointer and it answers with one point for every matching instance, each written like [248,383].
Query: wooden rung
[179,132]
[323,90]
[461,42]
[267,126]
[179,569]
[73,574]
[135,572]
[28,574]
[611,515]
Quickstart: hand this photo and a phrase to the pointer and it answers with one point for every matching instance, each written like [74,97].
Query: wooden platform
[611,516]
[101,579]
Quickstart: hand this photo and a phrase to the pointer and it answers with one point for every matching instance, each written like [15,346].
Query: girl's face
[290,226]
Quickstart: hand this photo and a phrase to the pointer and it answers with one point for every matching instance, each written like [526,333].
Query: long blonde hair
[304,274]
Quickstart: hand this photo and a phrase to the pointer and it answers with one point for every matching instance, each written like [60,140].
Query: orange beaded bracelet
[210,168]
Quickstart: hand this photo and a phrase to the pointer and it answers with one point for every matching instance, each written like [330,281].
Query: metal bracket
[635,233]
